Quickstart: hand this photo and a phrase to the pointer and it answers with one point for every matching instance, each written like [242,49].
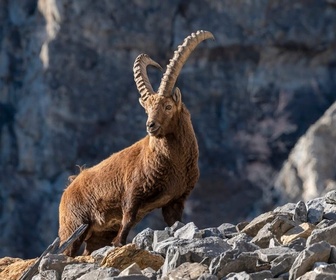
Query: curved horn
[180,57]
[140,75]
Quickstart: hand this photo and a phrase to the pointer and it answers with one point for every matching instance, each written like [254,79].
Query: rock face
[67,98]
[309,170]
[184,251]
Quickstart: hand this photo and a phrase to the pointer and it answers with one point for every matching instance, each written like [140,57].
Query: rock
[322,272]
[269,254]
[318,252]
[282,264]
[131,270]
[122,257]
[264,236]
[100,254]
[189,231]
[300,231]
[48,275]
[238,276]
[75,271]
[326,234]
[176,226]
[55,262]
[300,212]
[100,273]
[227,230]
[330,197]
[257,223]
[13,268]
[144,239]
[232,261]
[187,270]
[198,250]
[160,235]
[315,212]
[261,275]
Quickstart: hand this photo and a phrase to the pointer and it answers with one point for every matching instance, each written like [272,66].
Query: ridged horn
[180,57]
[140,75]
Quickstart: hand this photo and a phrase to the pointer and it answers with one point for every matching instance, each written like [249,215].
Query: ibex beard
[158,171]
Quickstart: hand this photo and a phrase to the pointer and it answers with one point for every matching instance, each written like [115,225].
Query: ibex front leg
[130,210]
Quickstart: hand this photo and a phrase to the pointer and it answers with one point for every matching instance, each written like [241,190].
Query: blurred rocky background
[261,98]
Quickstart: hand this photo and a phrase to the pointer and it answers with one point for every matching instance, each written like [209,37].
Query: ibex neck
[176,141]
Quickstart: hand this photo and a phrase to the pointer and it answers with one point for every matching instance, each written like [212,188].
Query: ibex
[158,171]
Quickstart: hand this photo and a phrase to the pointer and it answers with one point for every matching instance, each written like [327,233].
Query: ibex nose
[150,124]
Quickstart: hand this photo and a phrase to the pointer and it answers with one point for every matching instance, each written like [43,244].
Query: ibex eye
[168,107]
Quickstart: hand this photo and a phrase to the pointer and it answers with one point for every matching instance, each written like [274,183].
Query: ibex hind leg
[99,240]
[172,212]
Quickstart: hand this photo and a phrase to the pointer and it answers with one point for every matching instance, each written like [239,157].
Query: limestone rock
[13,268]
[300,231]
[122,257]
[75,271]
[326,234]
[189,231]
[257,223]
[318,252]
[188,271]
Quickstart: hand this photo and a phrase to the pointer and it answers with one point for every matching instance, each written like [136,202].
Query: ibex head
[162,107]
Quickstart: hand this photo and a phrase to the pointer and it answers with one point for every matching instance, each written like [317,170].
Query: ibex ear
[177,97]
[142,102]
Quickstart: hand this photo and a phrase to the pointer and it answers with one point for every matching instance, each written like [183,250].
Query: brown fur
[159,171]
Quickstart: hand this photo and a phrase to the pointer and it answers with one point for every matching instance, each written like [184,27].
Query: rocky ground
[294,241]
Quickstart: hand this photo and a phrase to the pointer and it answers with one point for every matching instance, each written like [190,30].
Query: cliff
[67,98]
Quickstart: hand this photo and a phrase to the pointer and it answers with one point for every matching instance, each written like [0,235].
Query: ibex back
[159,171]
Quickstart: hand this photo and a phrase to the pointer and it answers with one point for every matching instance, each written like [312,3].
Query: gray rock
[55,262]
[318,252]
[144,239]
[197,250]
[244,246]
[263,236]
[330,197]
[261,275]
[232,261]
[176,226]
[207,276]
[100,273]
[127,277]
[213,231]
[258,223]
[288,208]
[150,273]
[315,211]
[298,244]
[74,271]
[100,254]
[159,237]
[332,258]
[227,230]
[162,247]
[189,231]
[300,212]
[237,276]
[131,270]
[282,264]
[325,234]
[47,275]
[239,237]
[269,254]
[187,271]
